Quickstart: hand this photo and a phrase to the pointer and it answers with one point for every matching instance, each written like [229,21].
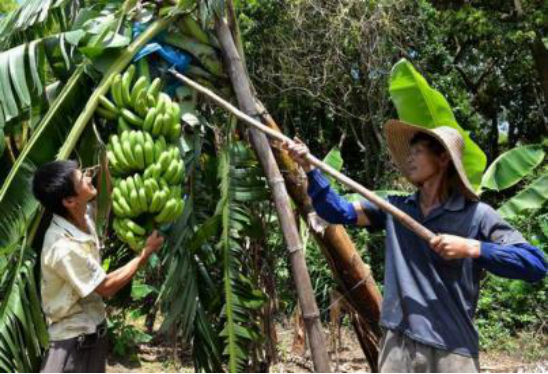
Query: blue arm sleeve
[504,251]
[519,261]
[327,203]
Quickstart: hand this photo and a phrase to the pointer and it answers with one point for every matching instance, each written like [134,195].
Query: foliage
[507,307]
[125,336]
[21,320]
[510,167]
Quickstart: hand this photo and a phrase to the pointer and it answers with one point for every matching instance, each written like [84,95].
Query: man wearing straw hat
[431,289]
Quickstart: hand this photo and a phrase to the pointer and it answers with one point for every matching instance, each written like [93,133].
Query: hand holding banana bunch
[143,158]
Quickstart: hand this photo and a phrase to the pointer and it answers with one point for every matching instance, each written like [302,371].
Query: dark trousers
[83,354]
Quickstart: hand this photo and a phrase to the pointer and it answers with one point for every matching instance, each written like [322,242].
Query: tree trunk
[540,56]
[240,83]
[354,276]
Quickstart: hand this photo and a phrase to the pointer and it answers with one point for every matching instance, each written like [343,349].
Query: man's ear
[445,159]
[69,202]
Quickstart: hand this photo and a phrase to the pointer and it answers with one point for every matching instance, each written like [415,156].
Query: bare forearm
[120,277]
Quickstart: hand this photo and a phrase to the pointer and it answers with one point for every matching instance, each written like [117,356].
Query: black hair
[54,182]
[431,143]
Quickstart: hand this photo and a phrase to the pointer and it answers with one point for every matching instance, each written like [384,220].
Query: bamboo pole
[285,214]
[401,216]
[352,274]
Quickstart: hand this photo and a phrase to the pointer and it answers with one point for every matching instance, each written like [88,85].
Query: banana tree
[511,168]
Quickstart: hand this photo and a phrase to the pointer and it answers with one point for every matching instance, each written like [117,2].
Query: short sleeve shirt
[71,271]
[430,299]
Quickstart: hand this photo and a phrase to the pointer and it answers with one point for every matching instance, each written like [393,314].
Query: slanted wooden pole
[400,215]
[242,88]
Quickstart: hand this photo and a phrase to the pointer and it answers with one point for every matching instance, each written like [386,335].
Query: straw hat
[399,135]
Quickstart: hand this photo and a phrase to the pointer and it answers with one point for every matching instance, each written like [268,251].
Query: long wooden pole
[401,216]
[286,217]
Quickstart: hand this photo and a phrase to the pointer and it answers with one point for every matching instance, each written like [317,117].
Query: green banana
[134,201]
[180,208]
[169,173]
[155,185]
[117,209]
[132,118]
[124,188]
[125,207]
[156,200]
[118,152]
[106,114]
[149,120]
[167,211]
[126,147]
[123,125]
[138,181]
[157,171]
[135,228]
[142,104]
[139,156]
[158,123]
[154,88]
[117,193]
[149,189]
[139,86]
[151,100]
[114,164]
[143,199]
[159,147]
[164,161]
[148,150]
[175,133]
[179,174]
[108,105]
[148,172]
[116,91]
[140,137]
[126,84]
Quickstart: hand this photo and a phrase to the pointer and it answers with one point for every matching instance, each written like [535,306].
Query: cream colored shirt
[71,270]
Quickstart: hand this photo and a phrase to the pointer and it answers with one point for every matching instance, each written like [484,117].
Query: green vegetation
[330,73]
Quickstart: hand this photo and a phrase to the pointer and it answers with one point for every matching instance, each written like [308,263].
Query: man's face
[423,164]
[84,188]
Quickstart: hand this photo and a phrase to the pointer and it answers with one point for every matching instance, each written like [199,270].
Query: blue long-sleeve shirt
[429,298]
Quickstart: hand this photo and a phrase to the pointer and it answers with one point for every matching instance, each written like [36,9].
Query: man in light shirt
[73,282]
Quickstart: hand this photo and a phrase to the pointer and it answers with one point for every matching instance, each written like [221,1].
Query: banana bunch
[141,105]
[143,156]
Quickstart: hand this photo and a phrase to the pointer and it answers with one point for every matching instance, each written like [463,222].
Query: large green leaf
[241,297]
[511,166]
[22,74]
[419,104]
[533,197]
[21,321]
[36,17]
[16,200]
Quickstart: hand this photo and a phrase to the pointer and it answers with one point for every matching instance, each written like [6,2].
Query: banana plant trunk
[353,276]
[242,88]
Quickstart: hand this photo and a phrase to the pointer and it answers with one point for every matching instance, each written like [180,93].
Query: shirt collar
[73,231]
[455,202]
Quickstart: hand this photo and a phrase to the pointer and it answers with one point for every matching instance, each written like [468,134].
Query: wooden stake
[240,83]
[401,216]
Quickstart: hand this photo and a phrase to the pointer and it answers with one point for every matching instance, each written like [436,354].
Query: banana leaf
[533,197]
[419,104]
[16,201]
[511,166]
